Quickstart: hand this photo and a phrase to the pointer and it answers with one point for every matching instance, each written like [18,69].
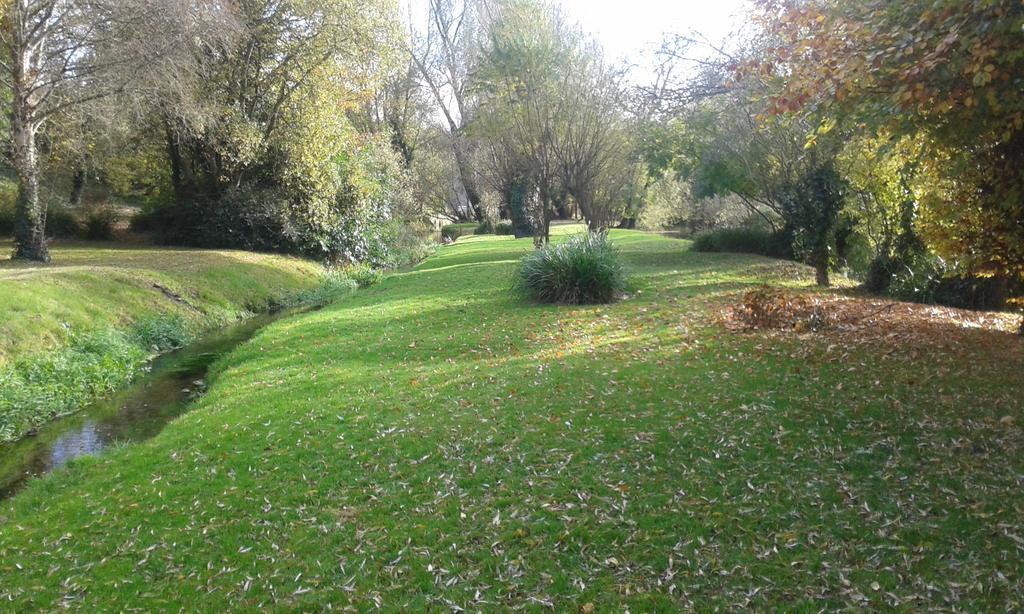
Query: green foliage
[36,390]
[811,206]
[6,220]
[92,224]
[359,214]
[246,217]
[334,285]
[408,243]
[946,75]
[63,223]
[137,171]
[373,193]
[8,198]
[452,232]
[782,169]
[486,227]
[364,276]
[271,161]
[584,269]
[98,224]
[745,241]
[924,278]
[504,228]
[161,333]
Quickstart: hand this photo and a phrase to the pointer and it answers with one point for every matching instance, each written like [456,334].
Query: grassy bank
[82,326]
[434,442]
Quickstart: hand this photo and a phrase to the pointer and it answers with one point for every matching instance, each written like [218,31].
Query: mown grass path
[434,442]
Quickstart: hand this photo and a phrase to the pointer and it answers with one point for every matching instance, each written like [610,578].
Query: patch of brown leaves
[860,319]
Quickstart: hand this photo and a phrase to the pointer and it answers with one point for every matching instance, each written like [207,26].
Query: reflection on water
[134,414]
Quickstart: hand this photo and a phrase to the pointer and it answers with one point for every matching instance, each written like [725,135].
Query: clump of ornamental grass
[585,269]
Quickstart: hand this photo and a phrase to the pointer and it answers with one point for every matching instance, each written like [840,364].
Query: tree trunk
[466,176]
[561,206]
[77,187]
[30,213]
[821,272]
[516,195]
[183,179]
[174,157]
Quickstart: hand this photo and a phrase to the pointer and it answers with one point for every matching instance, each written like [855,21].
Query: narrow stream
[134,414]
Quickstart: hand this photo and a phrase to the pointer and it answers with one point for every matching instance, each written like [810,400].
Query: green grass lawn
[92,286]
[435,442]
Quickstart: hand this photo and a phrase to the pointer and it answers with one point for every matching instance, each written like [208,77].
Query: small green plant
[923,278]
[585,269]
[504,228]
[365,276]
[334,285]
[409,244]
[162,333]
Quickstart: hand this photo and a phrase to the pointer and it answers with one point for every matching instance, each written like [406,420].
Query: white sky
[629,30]
[628,27]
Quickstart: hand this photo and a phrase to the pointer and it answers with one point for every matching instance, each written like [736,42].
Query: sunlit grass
[95,286]
[437,442]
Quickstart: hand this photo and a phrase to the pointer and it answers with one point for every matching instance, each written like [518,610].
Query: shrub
[363,275]
[451,232]
[98,224]
[880,274]
[585,269]
[62,223]
[250,218]
[6,221]
[924,278]
[972,292]
[334,285]
[746,241]
[409,244]
[491,227]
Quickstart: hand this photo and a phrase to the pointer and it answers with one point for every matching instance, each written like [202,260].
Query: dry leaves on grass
[858,319]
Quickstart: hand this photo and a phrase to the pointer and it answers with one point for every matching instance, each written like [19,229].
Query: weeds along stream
[168,388]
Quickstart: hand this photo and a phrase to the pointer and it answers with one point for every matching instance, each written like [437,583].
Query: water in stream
[134,414]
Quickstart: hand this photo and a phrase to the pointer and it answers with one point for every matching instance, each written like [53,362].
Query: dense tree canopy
[950,73]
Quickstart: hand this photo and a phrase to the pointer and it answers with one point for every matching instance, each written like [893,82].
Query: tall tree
[523,78]
[446,54]
[591,142]
[63,53]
